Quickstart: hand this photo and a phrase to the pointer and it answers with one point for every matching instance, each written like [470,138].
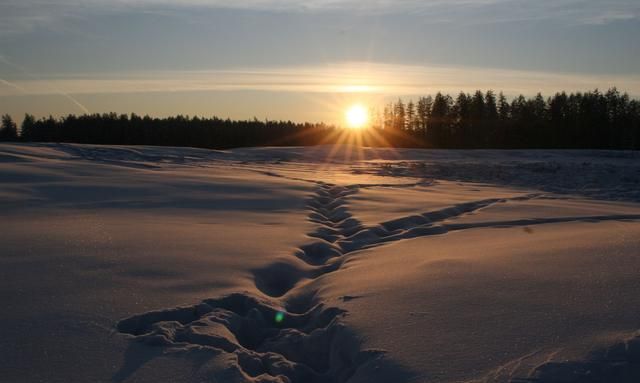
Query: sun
[357,116]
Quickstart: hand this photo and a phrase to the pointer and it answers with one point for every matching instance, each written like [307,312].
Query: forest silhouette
[589,120]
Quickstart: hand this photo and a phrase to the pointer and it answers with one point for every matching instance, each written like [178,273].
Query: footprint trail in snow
[289,335]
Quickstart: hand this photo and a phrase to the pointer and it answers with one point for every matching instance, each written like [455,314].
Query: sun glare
[357,116]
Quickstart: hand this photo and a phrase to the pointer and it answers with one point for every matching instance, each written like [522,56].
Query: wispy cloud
[374,78]
[23,15]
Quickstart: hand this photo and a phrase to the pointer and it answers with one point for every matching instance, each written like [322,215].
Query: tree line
[589,120]
[123,129]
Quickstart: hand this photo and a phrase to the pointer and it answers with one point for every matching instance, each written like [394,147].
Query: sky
[303,60]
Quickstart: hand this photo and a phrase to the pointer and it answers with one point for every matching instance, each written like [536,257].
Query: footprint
[290,335]
[308,343]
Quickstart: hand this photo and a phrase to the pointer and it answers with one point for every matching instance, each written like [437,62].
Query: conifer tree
[8,129]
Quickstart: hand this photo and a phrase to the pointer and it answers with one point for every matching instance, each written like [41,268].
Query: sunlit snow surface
[327,264]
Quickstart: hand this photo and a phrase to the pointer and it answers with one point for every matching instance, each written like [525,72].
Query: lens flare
[279,317]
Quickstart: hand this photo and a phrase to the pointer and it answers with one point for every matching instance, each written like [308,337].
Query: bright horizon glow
[357,116]
[70,56]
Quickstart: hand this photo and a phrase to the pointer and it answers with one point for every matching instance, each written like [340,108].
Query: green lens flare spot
[279,317]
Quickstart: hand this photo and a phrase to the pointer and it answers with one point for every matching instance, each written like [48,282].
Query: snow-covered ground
[326,264]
